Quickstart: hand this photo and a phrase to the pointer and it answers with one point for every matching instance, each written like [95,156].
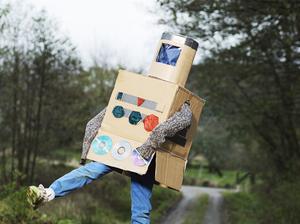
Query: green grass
[201,177]
[104,201]
[63,154]
[278,205]
[241,208]
[15,209]
[163,200]
[197,211]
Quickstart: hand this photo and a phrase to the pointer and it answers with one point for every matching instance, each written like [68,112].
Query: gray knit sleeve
[91,131]
[168,128]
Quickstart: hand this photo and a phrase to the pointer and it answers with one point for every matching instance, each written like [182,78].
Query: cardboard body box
[163,99]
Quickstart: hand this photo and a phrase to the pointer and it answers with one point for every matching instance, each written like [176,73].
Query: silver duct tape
[149,104]
[180,39]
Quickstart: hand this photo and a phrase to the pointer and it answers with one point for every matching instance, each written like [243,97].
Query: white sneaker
[36,196]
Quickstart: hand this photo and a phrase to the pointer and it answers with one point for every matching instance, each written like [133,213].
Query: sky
[116,32]
[111,32]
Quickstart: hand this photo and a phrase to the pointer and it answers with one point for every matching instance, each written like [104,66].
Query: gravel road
[190,195]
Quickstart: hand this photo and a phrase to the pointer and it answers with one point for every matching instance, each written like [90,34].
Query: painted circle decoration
[135,117]
[102,144]
[121,150]
[118,111]
[137,159]
[150,122]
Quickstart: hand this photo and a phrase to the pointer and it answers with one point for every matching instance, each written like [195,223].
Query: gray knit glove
[177,122]
[91,131]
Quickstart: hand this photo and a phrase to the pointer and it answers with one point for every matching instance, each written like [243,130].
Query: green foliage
[197,211]
[103,201]
[202,177]
[163,199]
[46,97]
[15,209]
[64,153]
[278,205]
[250,77]
[67,221]
[282,202]
[242,208]
[251,85]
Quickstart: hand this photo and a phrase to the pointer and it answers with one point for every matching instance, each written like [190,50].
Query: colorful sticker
[150,122]
[118,111]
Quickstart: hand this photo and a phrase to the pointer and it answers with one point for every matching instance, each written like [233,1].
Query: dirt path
[190,194]
[213,213]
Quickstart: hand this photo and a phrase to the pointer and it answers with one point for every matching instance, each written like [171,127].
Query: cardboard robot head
[174,58]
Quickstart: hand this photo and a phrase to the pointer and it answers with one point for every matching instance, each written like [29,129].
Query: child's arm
[91,131]
[168,128]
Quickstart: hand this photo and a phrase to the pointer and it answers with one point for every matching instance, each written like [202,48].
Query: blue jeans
[141,187]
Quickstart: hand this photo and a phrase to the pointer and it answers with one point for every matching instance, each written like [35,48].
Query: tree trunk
[42,73]
[15,81]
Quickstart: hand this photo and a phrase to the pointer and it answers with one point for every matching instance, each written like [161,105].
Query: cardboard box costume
[139,103]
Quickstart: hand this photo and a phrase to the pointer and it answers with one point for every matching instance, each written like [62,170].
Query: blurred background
[58,64]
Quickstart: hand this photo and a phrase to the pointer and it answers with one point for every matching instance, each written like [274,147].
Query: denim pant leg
[79,177]
[141,192]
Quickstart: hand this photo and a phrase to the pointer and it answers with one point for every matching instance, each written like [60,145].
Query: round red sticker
[150,122]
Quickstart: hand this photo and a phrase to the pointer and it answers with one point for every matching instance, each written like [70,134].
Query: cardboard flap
[169,170]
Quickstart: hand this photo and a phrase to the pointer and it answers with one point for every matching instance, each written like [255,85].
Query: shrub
[15,209]
[278,205]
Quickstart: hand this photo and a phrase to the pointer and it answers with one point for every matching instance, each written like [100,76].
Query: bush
[242,208]
[106,200]
[162,201]
[283,203]
[201,177]
[15,209]
[278,205]
[103,201]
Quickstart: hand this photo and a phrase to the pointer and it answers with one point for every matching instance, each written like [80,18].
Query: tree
[254,84]
[46,97]
[37,68]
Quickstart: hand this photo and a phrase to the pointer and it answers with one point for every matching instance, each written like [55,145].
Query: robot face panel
[137,105]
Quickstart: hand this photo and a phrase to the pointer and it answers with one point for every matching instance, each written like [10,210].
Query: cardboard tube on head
[174,58]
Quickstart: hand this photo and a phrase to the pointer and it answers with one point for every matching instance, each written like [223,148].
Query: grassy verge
[201,177]
[277,205]
[14,208]
[163,200]
[197,212]
[64,154]
[241,208]
[104,201]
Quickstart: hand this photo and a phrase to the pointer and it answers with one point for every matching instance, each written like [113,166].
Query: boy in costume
[141,185]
